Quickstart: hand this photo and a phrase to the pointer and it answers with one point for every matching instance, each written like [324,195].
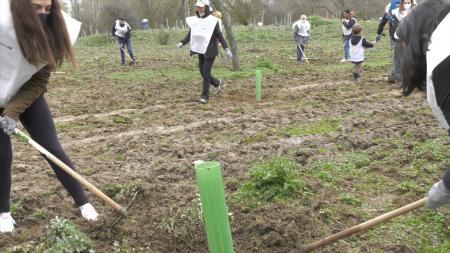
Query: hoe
[118,208]
[363,226]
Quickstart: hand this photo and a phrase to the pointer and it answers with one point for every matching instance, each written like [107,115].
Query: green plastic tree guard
[258,85]
[215,211]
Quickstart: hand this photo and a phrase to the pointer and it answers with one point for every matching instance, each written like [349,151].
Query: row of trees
[98,15]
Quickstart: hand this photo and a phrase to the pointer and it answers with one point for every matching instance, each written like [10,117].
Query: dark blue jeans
[300,53]
[346,48]
[125,42]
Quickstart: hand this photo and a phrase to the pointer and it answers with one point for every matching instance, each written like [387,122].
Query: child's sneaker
[88,212]
[6,223]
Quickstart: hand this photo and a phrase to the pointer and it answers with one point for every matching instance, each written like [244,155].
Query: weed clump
[273,180]
[62,237]
[163,37]
[265,63]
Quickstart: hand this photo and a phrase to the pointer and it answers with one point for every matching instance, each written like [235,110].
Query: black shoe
[391,80]
[219,87]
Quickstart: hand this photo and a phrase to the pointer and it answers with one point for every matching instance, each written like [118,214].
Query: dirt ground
[143,133]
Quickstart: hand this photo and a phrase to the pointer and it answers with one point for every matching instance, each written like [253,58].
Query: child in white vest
[357,45]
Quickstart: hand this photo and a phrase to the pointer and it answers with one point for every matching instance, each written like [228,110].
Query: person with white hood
[122,31]
[203,36]
[301,36]
[36,37]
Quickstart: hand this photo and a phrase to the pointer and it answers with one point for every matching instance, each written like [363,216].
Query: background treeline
[98,15]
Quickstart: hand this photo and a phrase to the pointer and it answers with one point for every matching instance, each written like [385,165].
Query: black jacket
[212,50]
[356,38]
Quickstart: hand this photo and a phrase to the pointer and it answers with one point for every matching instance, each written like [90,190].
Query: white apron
[438,50]
[357,52]
[202,30]
[15,70]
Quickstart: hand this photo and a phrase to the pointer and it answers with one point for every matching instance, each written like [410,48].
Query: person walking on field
[122,31]
[203,36]
[347,26]
[34,41]
[357,45]
[301,36]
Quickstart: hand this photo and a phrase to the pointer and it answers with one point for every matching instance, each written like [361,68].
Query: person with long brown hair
[35,39]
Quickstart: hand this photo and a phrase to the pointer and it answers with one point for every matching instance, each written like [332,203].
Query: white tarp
[15,70]
[438,51]
[201,32]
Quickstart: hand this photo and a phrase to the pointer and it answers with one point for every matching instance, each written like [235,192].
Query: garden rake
[118,208]
[363,226]
[303,53]
[123,49]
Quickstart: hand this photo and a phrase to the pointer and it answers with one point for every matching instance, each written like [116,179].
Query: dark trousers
[300,50]
[39,123]
[358,69]
[205,66]
[446,178]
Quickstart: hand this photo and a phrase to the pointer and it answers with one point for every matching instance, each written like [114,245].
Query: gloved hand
[179,44]
[378,38]
[438,195]
[7,124]
[228,53]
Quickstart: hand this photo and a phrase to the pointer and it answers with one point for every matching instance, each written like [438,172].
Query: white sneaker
[88,212]
[343,60]
[6,223]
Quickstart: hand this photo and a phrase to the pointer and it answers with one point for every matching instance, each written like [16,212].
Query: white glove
[438,195]
[6,223]
[228,53]
[88,212]
[179,44]
[8,125]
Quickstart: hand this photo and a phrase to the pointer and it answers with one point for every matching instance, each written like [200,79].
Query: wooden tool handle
[364,226]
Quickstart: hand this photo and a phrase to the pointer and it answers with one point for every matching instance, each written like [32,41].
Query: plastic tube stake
[258,85]
[215,211]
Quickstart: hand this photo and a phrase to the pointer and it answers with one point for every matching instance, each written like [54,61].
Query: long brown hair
[49,43]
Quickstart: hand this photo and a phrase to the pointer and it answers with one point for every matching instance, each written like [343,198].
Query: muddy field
[361,150]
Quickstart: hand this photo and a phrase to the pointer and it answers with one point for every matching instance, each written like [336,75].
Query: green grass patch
[270,181]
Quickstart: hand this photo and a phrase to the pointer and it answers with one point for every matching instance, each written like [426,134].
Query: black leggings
[446,179]
[39,123]
[205,66]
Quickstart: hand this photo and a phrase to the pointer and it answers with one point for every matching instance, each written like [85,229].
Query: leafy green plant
[272,180]
[319,21]
[40,214]
[64,237]
[265,63]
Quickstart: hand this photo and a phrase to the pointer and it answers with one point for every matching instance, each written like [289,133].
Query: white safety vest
[438,50]
[202,30]
[357,52]
[303,27]
[121,31]
[15,70]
